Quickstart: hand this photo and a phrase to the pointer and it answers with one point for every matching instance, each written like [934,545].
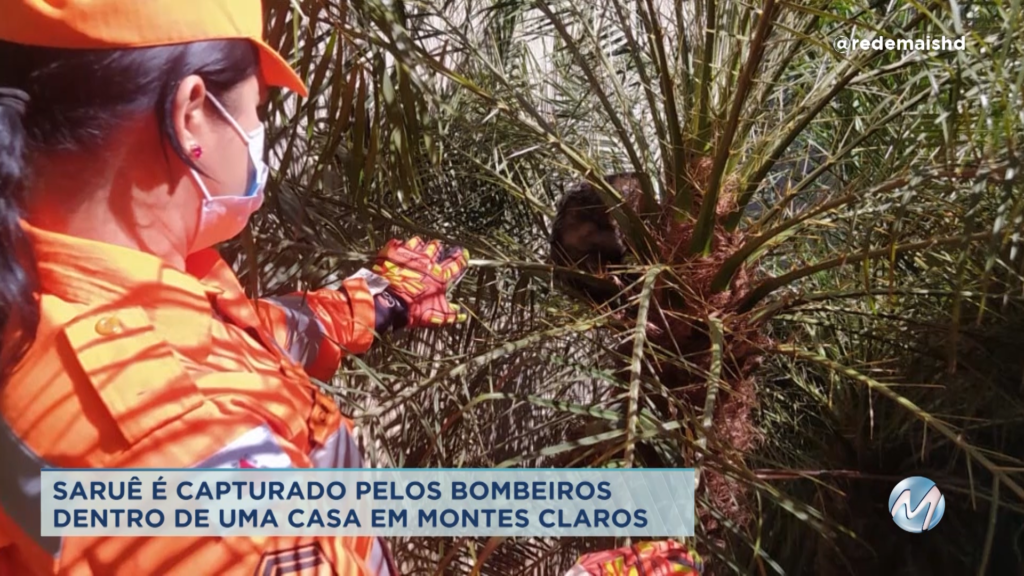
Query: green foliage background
[880,210]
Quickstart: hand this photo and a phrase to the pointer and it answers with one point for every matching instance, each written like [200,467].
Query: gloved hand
[419,274]
[663,558]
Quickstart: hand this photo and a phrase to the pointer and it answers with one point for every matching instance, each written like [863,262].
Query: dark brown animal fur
[586,237]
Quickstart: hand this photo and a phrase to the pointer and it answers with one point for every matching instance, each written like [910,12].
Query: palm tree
[819,286]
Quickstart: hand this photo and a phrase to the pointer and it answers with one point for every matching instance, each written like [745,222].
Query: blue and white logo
[916,504]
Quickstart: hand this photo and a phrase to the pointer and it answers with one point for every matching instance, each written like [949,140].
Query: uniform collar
[90,272]
[101,275]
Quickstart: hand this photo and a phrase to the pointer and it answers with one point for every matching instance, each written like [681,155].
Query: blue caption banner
[363,502]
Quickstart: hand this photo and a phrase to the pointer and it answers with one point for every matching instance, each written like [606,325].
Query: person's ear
[191,121]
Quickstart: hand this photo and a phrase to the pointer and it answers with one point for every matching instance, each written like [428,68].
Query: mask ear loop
[262,170]
[234,123]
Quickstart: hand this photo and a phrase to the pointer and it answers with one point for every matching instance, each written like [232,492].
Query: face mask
[223,217]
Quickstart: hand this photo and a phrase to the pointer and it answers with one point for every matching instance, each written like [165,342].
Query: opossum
[585,237]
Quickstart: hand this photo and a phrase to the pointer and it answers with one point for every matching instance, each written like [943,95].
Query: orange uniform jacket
[140,365]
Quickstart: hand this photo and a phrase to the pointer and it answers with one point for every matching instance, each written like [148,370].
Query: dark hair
[56,100]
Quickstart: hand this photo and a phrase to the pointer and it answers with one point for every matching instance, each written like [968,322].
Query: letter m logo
[927,504]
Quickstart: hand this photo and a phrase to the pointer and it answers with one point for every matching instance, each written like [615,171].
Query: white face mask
[223,217]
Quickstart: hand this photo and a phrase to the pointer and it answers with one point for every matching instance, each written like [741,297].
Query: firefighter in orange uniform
[129,146]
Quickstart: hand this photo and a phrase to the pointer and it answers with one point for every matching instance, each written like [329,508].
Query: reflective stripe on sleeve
[341,451]
[257,448]
[377,562]
[305,333]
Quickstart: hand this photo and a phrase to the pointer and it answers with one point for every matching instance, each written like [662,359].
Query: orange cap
[143,23]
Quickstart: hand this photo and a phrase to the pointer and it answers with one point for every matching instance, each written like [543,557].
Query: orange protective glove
[663,558]
[419,274]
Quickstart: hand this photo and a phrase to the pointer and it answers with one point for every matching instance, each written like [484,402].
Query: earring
[196,150]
